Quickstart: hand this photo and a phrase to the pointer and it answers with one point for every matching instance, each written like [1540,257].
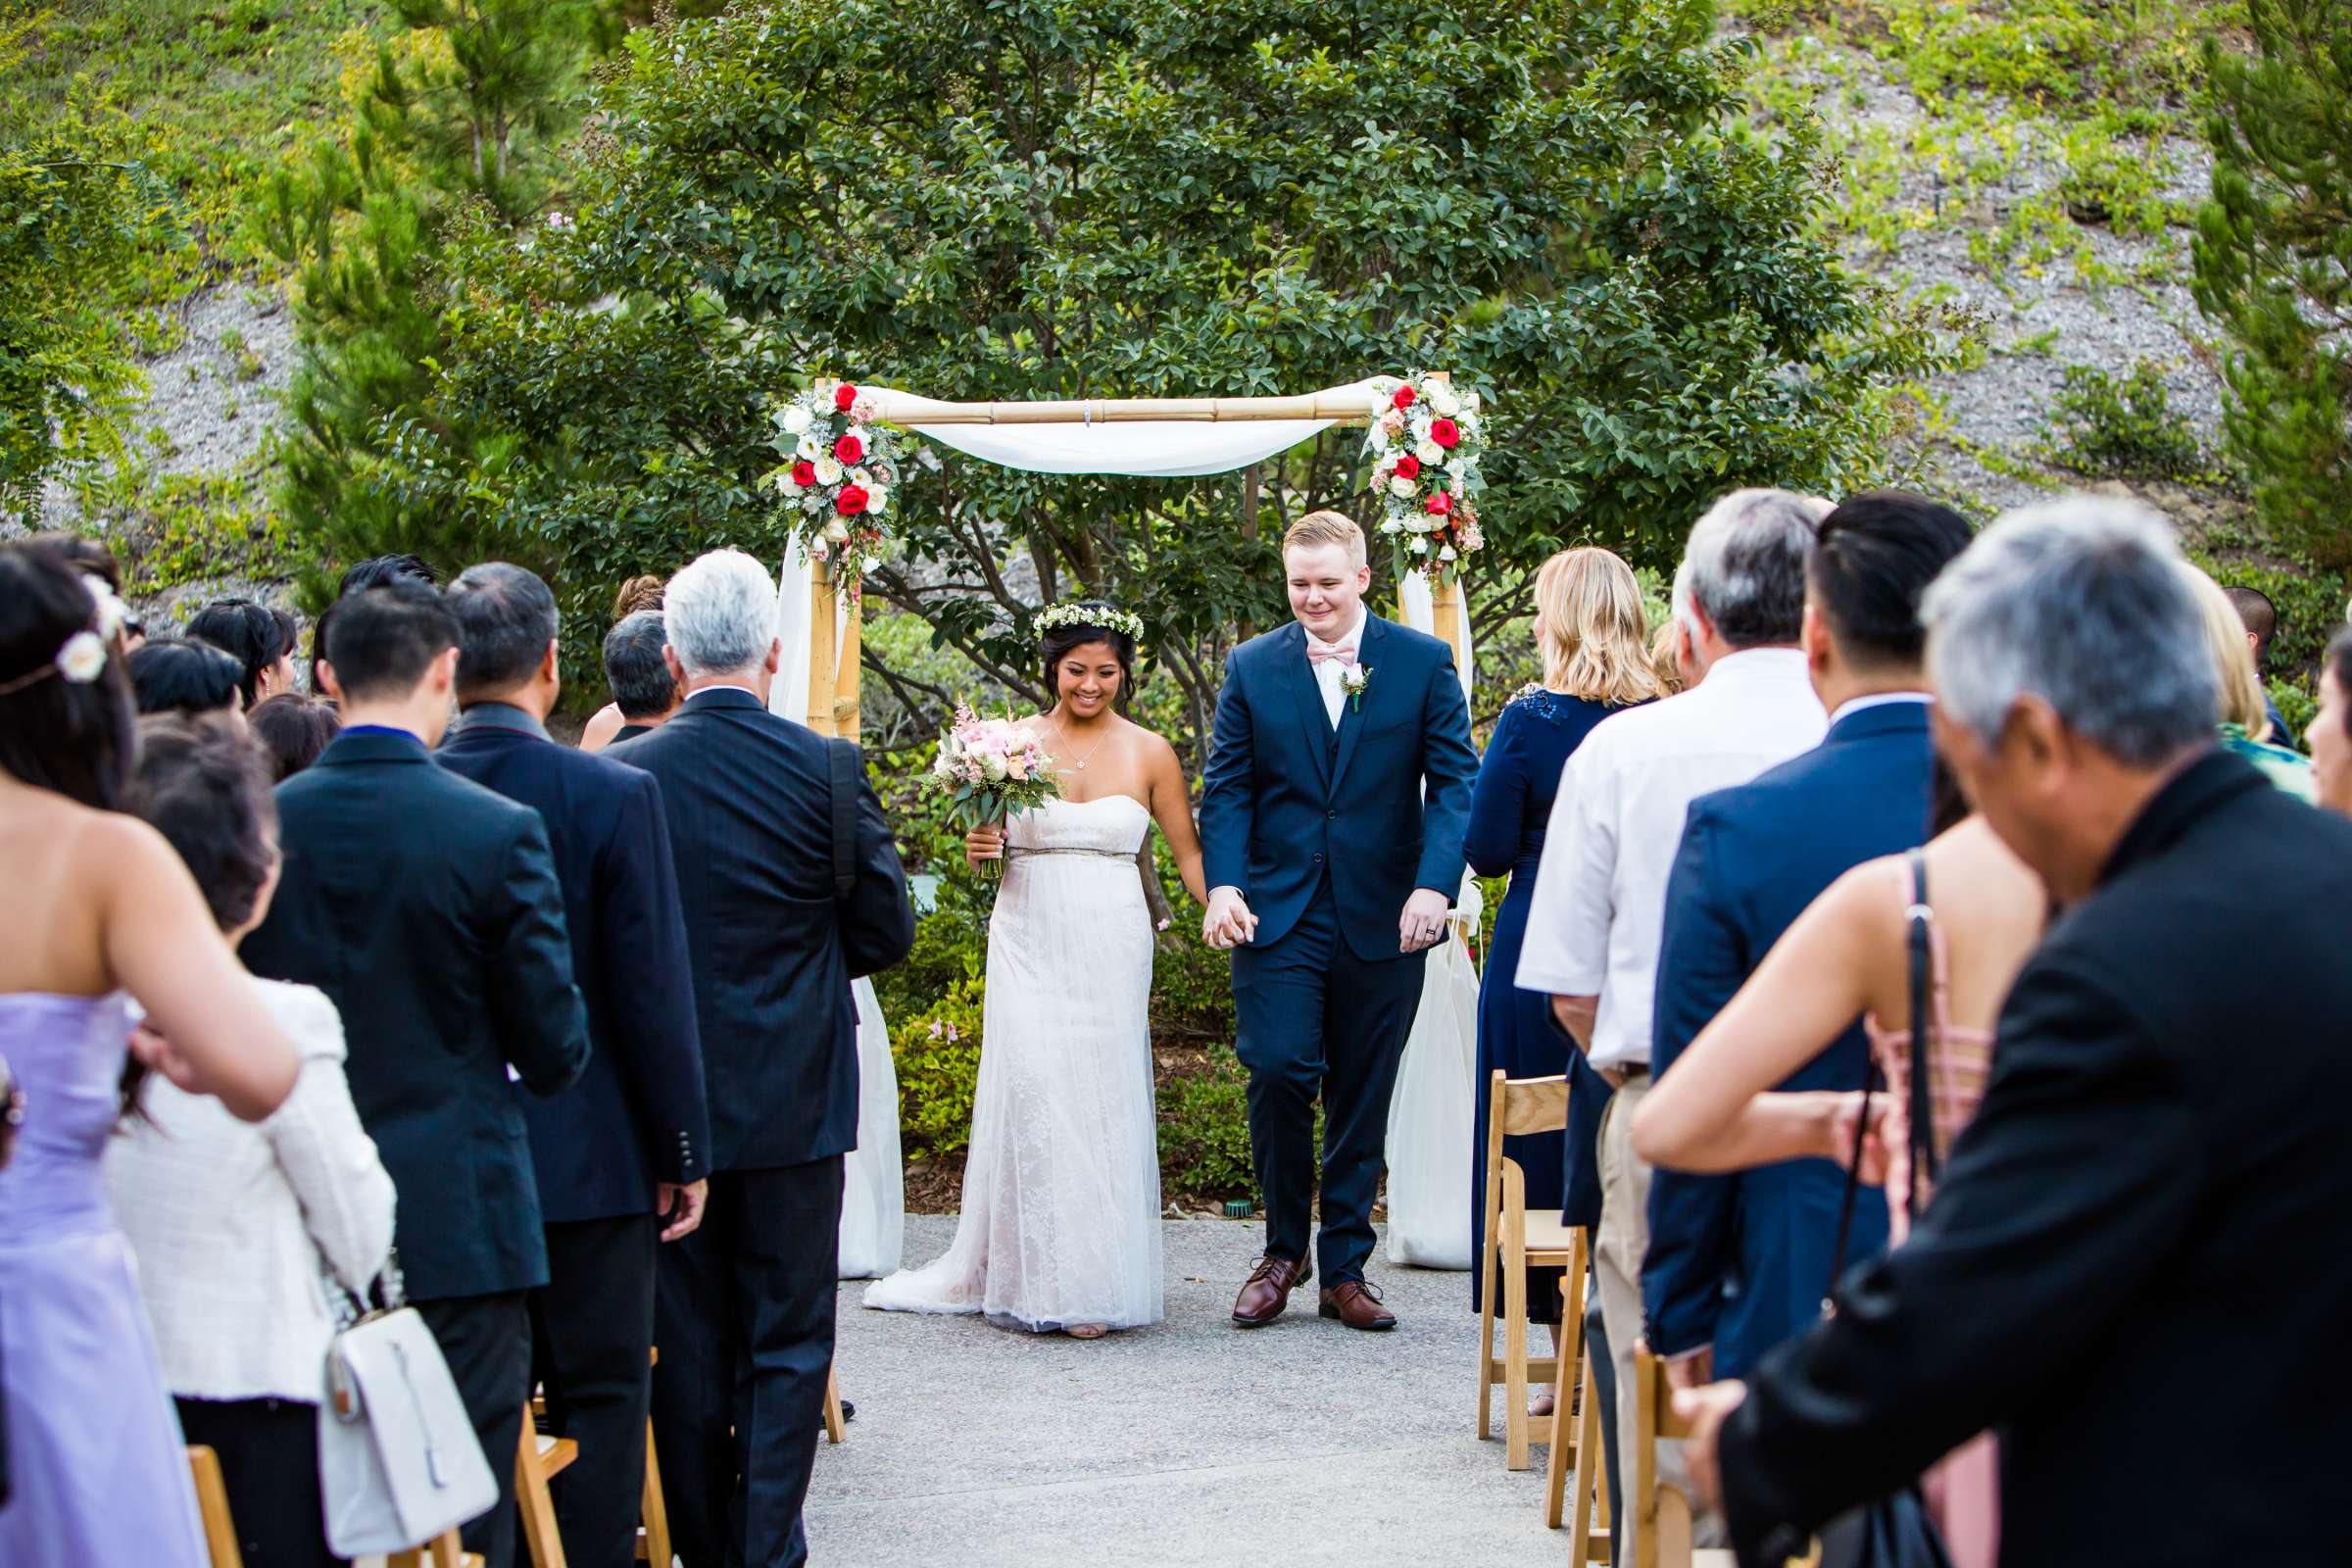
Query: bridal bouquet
[1426,441]
[993,770]
[840,468]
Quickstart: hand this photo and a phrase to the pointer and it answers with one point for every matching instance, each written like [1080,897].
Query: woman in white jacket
[234,1223]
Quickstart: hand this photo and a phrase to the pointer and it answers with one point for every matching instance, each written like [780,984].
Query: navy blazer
[637,1115]
[1284,798]
[2156,1179]
[426,907]
[749,799]
[1741,1261]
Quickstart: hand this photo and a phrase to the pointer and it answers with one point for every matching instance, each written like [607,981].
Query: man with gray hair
[2155,1178]
[791,888]
[1597,918]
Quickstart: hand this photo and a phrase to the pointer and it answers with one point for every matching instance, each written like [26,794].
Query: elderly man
[791,887]
[2148,1178]
[1593,930]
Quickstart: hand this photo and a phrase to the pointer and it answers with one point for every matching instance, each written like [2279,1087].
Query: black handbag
[1893,1530]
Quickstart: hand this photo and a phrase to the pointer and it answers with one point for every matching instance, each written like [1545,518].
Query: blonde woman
[2245,717]
[1596,660]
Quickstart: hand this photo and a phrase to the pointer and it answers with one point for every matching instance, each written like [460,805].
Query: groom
[1332,816]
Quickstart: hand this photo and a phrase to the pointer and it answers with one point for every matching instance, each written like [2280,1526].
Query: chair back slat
[1534,1105]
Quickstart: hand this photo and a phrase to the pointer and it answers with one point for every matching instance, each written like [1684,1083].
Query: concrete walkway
[1298,1444]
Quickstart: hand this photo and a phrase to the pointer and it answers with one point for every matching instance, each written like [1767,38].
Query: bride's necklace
[1079,766]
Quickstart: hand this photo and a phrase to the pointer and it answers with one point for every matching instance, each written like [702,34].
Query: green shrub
[1205,1132]
[2110,428]
[936,1054]
[2310,602]
[2297,705]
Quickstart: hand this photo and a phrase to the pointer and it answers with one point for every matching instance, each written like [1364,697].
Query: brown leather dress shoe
[1357,1304]
[1268,1291]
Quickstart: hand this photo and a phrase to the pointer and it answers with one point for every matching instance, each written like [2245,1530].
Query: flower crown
[1073,614]
[82,657]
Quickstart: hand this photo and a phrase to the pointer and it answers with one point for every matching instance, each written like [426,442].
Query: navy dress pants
[1316,1020]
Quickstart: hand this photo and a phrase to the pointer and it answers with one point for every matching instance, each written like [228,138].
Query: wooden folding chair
[442,1551]
[836,1424]
[539,1458]
[653,1534]
[1589,1539]
[1662,1513]
[211,1506]
[1515,1240]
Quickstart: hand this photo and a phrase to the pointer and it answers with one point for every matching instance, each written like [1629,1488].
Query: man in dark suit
[779,921]
[635,667]
[2156,1178]
[620,1156]
[1330,875]
[1738,1264]
[428,908]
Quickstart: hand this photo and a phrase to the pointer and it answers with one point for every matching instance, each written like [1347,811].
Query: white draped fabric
[1431,1117]
[1156,449]
[873,1196]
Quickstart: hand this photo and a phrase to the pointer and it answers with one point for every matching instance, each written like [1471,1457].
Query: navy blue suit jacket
[749,797]
[1743,1261]
[637,1115]
[1284,799]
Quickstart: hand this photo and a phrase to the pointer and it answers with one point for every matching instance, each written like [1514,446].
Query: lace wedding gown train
[1061,1222]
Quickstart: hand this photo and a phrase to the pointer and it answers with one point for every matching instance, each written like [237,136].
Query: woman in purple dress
[104,911]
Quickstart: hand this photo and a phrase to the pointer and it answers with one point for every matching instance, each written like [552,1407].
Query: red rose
[1438,505]
[1408,467]
[849,449]
[1444,433]
[803,473]
[843,396]
[850,501]
[1404,398]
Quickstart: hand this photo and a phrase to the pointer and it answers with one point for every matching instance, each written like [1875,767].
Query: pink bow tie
[1325,652]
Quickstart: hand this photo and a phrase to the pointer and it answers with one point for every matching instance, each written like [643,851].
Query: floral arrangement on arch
[1425,442]
[839,472]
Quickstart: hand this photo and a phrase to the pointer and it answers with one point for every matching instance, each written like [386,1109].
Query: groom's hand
[1228,923]
[1423,921]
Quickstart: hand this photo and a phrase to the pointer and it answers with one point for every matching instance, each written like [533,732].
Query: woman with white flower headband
[106,911]
[1060,1221]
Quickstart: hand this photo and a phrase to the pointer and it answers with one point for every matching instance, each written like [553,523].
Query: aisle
[1193,1443]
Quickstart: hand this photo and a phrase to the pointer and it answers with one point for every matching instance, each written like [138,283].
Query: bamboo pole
[823,675]
[845,675]
[1445,614]
[1345,405]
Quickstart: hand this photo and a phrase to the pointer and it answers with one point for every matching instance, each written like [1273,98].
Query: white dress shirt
[1599,908]
[1331,673]
[231,1220]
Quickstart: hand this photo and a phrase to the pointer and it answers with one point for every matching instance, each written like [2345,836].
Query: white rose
[83,660]
[1446,554]
[1429,451]
[1402,489]
[1420,547]
[810,502]
[877,496]
[809,451]
[837,530]
[828,471]
[992,768]
[796,419]
[1442,398]
[945,767]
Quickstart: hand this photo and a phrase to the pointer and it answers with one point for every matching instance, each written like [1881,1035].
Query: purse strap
[842,764]
[388,1291]
[1922,920]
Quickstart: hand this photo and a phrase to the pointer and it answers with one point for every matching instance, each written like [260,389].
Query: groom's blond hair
[1319,528]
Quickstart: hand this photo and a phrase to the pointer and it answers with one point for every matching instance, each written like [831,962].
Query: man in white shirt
[1593,930]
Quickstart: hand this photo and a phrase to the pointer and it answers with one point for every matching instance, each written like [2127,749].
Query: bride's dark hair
[74,737]
[1058,641]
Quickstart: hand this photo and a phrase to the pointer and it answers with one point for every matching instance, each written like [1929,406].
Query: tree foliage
[2273,267]
[1560,203]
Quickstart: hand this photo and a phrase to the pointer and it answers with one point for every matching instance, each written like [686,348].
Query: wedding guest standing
[621,1154]
[231,1221]
[1737,1262]
[428,908]
[2133,1194]
[372,572]
[256,637]
[1594,927]
[180,675]
[2259,617]
[292,731]
[1593,635]
[744,1306]
[629,715]
[2331,734]
[2246,711]
[97,1468]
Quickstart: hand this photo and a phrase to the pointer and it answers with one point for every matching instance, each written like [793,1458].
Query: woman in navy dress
[1595,642]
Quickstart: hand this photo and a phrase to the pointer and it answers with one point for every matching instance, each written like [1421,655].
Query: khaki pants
[1618,1248]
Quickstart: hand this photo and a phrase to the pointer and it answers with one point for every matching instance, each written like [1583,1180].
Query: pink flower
[1469,537]
[1438,505]
[1163,925]
[1392,422]
[935,1028]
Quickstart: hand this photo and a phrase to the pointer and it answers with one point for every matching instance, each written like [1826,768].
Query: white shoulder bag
[398,1460]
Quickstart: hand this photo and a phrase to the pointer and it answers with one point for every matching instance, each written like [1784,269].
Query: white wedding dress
[1060,1223]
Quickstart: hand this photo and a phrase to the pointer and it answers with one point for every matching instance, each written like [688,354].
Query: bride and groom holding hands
[1328,853]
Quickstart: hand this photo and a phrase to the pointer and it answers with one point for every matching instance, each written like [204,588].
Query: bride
[1061,1222]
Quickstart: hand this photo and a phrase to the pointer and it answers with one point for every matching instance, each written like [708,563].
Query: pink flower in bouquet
[1446,433]
[1392,421]
[1438,505]
[844,397]
[1470,537]
[864,411]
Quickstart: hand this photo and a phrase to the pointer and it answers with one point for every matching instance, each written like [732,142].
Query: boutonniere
[1353,678]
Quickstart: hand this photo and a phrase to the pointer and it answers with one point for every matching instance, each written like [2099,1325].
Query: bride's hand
[983,843]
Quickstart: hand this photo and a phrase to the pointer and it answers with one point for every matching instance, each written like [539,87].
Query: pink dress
[1963,1488]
